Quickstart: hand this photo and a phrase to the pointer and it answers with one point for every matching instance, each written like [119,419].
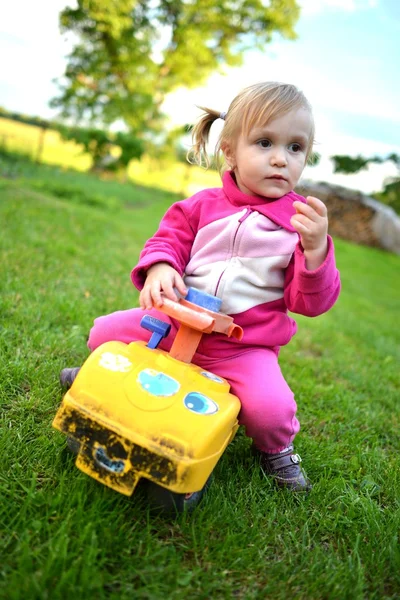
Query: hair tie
[222,116]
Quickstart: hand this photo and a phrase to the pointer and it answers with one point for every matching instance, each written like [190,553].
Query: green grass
[62,535]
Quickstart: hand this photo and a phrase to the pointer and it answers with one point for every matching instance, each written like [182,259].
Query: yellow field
[26,138]
[176,177]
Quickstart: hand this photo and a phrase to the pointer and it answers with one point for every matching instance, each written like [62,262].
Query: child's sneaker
[67,376]
[285,468]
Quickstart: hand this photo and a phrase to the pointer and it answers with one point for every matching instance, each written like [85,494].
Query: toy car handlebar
[195,319]
[200,319]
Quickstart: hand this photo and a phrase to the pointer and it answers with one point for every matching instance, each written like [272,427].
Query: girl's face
[270,159]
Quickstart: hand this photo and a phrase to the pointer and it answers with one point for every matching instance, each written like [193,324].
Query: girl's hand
[161,277]
[311,223]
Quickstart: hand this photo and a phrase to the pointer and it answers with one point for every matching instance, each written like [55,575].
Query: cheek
[298,165]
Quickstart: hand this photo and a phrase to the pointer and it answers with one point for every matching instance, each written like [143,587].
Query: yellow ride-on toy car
[135,411]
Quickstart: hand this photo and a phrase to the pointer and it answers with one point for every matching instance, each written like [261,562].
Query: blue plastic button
[203,299]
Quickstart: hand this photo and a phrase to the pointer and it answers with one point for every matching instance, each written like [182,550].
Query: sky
[345,59]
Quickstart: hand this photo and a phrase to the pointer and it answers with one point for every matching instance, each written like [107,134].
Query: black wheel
[171,502]
[72,445]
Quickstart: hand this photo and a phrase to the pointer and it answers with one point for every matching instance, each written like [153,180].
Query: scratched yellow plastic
[180,447]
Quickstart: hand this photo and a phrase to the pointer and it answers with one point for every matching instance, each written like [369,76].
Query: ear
[229,154]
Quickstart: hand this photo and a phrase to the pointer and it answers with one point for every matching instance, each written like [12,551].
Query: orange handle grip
[187,316]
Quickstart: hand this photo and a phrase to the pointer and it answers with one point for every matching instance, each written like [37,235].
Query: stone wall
[355,216]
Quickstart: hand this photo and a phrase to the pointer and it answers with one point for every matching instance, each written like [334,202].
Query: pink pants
[268,410]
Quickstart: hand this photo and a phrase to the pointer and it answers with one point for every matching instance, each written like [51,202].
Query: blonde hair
[253,106]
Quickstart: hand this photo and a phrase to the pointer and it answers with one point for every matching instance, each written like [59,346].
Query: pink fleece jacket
[244,250]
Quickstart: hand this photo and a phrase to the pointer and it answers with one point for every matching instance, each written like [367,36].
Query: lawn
[68,244]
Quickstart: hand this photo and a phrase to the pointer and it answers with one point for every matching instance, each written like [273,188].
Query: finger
[145,298]
[155,292]
[302,231]
[317,205]
[141,300]
[180,285]
[301,221]
[305,209]
[168,289]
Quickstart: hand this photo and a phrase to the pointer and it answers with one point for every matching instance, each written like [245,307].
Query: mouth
[277,177]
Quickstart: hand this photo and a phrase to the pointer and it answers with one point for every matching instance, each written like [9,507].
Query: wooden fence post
[40,147]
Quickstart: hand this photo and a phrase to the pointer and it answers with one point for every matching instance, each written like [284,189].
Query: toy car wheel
[172,502]
[73,445]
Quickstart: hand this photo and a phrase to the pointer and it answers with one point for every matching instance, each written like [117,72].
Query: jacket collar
[279,210]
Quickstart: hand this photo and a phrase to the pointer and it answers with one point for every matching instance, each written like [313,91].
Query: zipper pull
[246,214]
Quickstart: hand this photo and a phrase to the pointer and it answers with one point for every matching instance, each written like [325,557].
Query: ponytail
[200,134]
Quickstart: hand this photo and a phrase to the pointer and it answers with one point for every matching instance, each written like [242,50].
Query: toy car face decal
[115,362]
[200,404]
[157,383]
[212,376]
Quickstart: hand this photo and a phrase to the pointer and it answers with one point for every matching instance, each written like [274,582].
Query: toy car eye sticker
[200,404]
[115,362]
[212,376]
[158,383]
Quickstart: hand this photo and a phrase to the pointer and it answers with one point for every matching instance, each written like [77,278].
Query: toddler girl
[258,246]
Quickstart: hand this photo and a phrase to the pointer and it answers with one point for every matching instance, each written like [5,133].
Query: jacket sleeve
[311,293]
[171,243]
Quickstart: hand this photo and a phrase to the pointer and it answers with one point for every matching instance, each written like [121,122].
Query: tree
[390,193]
[100,144]
[131,53]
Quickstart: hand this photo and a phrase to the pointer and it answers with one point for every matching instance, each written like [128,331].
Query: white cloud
[368,181]
[330,142]
[325,90]
[311,7]
[33,22]
[348,88]
[30,37]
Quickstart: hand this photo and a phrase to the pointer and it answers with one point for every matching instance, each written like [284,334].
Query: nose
[278,157]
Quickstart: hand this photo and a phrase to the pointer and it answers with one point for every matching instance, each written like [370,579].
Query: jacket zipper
[240,221]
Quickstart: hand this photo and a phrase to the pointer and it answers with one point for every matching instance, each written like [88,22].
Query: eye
[264,143]
[295,147]
[200,404]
